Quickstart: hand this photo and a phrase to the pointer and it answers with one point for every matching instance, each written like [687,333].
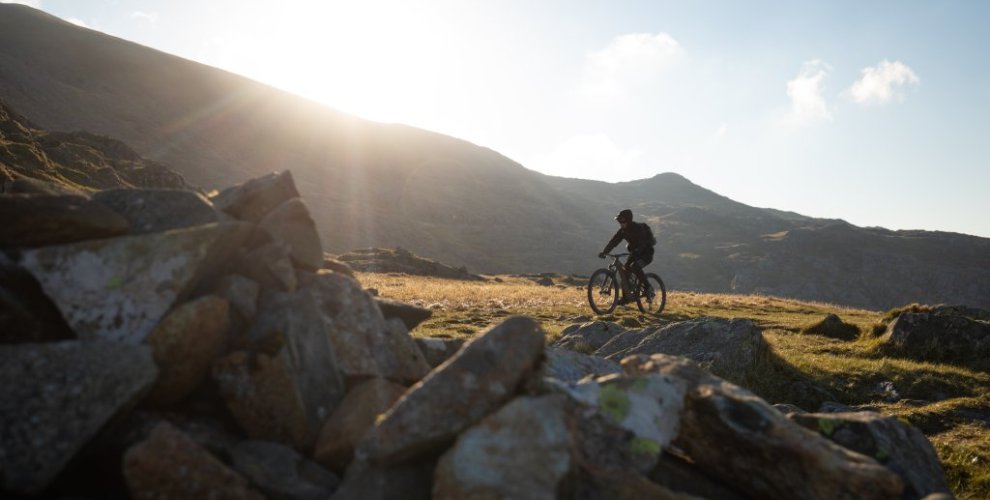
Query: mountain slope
[372,184]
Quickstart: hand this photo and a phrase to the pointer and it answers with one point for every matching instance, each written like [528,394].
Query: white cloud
[880,83]
[30,3]
[629,61]
[593,156]
[722,130]
[151,17]
[807,103]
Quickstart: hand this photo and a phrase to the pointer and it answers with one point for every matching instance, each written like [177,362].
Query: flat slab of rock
[154,210]
[34,220]
[899,446]
[26,313]
[727,348]
[478,379]
[410,315]
[120,288]
[54,397]
[622,342]
[170,465]
[522,450]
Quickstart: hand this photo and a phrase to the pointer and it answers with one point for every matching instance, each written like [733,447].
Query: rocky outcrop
[588,337]
[34,220]
[570,366]
[157,210]
[410,315]
[400,260]
[833,326]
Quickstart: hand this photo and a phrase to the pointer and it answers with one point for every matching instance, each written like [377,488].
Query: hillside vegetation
[949,403]
[383,185]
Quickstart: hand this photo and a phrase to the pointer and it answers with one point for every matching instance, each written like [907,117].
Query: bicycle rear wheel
[656,303]
[603,291]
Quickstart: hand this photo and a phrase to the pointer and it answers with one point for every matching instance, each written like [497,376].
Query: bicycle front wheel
[653,304]
[603,291]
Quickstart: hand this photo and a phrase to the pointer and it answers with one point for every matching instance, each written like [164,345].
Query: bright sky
[874,112]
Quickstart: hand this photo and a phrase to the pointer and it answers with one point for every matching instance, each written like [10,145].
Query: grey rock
[437,350]
[291,384]
[478,379]
[941,337]
[570,366]
[337,266]
[522,450]
[366,346]
[623,342]
[270,265]
[291,222]
[54,397]
[34,220]
[588,337]
[281,473]
[727,348]
[412,481]
[899,446]
[154,210]
[118,289]
[241,292]
[410,315]
[681,476]
[353,417]
[787,408]
[26,313]
[253,199]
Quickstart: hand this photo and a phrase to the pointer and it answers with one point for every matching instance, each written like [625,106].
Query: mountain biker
[639,242]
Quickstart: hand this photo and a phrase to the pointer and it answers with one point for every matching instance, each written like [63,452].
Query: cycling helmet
[624,216]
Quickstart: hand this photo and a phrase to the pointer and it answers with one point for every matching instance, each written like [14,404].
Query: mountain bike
[605,283]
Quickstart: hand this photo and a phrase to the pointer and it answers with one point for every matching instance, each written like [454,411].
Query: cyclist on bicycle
[639,242]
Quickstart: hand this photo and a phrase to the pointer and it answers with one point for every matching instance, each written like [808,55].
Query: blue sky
[873,112]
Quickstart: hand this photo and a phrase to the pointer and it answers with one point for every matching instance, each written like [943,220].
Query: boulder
[410,315]
[291,383]
[291,223]
[54,397]
[185,343]
[412,481]
[522,450]
[281,473]
[570,366]
[899,446]
[253,199]
[26,313]
[680,475]
[437,350]
[242,293]
[478,379]
[365,344]
[270,265]
[34,220]
[336,266]
[356,414]
[119,289]
[942,337]
[154,210]
[771,456]
[588,337]
[170,465]
[727,348]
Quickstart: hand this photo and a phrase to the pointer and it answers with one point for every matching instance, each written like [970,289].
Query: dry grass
[940,399]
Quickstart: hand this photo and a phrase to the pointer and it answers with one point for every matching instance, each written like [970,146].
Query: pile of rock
[947,334]
[197,350]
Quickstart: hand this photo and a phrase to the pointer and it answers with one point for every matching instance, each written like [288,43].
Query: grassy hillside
[950,404]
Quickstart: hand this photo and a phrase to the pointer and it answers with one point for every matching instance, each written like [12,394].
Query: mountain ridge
[384,185]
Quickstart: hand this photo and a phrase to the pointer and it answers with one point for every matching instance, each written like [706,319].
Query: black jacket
[637,236]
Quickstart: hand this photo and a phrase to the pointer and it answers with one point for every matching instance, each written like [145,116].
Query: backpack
[649,235]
